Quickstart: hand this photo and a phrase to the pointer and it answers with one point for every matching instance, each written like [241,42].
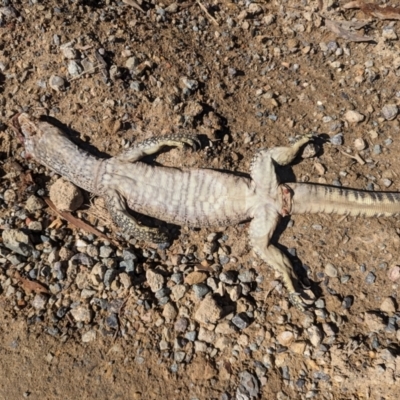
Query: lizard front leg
[260,232]
[116,205]
[154,145]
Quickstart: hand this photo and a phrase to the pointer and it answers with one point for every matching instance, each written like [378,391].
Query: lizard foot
[296,300]
[187,140]
[149,234]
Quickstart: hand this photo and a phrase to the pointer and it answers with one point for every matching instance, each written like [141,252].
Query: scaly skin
[198,197]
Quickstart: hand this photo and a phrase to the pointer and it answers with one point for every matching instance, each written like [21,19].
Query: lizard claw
[295,299]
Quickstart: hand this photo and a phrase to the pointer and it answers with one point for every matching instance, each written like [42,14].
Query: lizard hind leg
[262,168]
[155,144]
[284,155]
[260,233]
[117,207]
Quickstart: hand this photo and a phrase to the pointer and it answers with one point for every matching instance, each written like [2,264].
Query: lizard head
[28,131]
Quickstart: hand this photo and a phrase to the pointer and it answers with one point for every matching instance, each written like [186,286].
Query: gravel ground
[204,318]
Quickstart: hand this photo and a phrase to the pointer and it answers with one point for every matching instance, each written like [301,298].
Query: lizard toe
[296,300]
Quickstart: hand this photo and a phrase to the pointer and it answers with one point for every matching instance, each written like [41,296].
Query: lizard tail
[310,198]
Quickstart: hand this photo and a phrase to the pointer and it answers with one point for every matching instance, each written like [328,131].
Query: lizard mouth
[25,130]
[16,127]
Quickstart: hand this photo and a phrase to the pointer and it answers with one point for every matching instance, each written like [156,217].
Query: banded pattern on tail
[310,198]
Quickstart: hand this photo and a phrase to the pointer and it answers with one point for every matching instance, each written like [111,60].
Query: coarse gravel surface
[109,317]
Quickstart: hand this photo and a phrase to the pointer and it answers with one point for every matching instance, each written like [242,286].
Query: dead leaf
[342,29]
[375,10]
[56,224]
[75,221]
[30,286]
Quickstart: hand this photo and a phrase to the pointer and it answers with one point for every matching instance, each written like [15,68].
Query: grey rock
[82,313]
[39,301]
[330,270]
[200,290]
[191,336]
[109,276]
[248,386]
[112,321]
[347,302]
[377,149]
[57,83]
[179,356]
[34,204]
[241,321]
[136,86]
[17,241]
[246,276]
[80,258]
[15,259]
[177,278]
[163,293]
[191,84]
[337,140]
[128,266]
[390,111]
[87,65]
[320,303]
[370,278]
[228,277]
[87,293]
[345,278]
[74,69]
[106,251]
[58,271]
[181,324]
[129,255]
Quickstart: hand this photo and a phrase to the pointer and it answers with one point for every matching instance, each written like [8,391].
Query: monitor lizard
[198,197]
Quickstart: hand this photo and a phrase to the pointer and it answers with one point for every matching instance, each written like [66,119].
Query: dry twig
[207,13]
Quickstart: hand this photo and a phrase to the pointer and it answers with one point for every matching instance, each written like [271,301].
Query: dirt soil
[244,76]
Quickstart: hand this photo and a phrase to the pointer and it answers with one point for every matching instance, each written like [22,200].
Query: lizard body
[198,197]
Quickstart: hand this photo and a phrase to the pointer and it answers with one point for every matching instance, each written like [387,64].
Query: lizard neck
[67,160]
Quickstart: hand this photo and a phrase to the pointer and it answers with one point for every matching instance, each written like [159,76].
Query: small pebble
[390,111]
[377,149]
[241,321]
[57,83]
[353,117]
[360,144]
[370,278]
[388,306]
[347,302]
[345,278]
[74,69]
[331,270]
[337,140]
[200,290]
